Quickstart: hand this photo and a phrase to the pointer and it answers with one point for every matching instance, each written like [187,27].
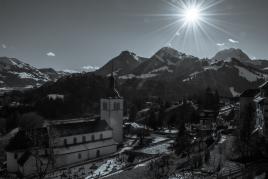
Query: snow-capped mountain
[227,54]
[15,73]
[122,64]
[165,61]
[167,71]
[53,74]
[230,77]
[231,73]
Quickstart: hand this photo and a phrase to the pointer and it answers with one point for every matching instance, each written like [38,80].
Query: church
[67,142]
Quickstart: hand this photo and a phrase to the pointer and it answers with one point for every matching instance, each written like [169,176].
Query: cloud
[70,71]
[4,46]
[233,41]
[220,44]
[51,54]
[90,68]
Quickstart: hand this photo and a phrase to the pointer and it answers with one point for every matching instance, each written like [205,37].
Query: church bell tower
[112,110]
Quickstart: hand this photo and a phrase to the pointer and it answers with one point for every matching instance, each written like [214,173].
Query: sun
[192,23]
[192,15]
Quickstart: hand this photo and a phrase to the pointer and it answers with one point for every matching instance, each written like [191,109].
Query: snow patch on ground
[36,77]
[142,76]
[158,139]
[191,76]
[164,68]
[26,75]
[234,93]
[212,67]
[172,131]
[106,168]
[157,149]
[128,76]
[248,75]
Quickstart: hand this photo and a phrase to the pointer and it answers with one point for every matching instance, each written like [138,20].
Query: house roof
[25,156]
[26,139]
[70,129]
[264,85]
[250,93]
[259,99]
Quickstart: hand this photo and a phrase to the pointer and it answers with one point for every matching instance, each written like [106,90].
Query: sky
[77,34]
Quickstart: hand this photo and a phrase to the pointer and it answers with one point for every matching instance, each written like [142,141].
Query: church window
[104,106]
[98,153]
[84,139]
[116,106]
[65,142]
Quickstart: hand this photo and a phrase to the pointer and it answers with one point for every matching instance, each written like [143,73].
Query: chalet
[70,141]
[261,105]
[255,102]
[247,102]
[207,119]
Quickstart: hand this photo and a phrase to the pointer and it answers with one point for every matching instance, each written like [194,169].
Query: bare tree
[159,168]
[43,154]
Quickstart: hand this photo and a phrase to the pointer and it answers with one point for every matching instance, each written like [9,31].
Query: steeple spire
[113,92]
[112,80]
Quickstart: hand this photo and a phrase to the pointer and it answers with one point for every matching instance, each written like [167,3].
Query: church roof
[25,156]
[70,129]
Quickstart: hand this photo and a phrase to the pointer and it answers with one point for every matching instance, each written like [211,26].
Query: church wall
[59,141]
[71,158]
[113,115]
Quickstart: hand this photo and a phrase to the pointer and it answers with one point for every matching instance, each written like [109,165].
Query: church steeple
[112,107]
[113,93]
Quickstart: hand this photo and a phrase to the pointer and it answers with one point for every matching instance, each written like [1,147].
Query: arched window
[84,139]
[116,106]
[104,106]
[79,156]
[65,142]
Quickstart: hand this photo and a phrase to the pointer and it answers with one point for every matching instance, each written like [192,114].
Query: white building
[70,142]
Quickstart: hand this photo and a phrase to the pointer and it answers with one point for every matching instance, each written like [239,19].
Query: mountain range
[167,73]
[17,74]
[230,71]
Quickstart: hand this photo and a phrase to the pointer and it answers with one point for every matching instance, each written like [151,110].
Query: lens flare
[192,15]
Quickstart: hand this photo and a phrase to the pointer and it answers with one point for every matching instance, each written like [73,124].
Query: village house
[261,103]
[256,100]
[69,141]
